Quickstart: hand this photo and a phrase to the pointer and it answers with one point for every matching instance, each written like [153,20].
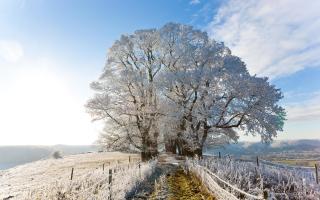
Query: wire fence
[258,180]
[219,187]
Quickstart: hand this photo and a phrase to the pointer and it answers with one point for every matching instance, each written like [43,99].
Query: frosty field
[28,177]
[162,178]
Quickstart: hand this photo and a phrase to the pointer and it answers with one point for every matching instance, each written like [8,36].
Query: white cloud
[10,50]
[275,38]
[194,2]
[306,110]
[276,144]
[247,144]
[279,143]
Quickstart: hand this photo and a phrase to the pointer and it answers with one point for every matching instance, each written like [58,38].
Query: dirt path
[183,186]
[175,184]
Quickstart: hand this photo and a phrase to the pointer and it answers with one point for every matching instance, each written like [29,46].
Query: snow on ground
[23,178]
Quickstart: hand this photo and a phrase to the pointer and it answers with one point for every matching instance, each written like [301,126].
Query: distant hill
[258,148]
[11,156]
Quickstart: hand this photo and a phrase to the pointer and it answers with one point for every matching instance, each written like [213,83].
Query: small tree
[57,155]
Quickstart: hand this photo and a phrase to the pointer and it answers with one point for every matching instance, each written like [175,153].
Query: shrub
[57,155]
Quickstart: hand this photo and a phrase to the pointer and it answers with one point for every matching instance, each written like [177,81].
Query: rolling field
[298,162]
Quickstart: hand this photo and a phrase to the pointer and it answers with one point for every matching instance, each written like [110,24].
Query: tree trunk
[198,152]
[187,151]
[171,146]
[193,153]
[180,144]
[148,154]
[149,149]
[145,156]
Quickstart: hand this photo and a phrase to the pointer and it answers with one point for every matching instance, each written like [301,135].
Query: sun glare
[40,108]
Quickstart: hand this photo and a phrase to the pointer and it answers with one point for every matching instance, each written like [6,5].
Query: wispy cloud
[10,50]
[194,2]
[275,38]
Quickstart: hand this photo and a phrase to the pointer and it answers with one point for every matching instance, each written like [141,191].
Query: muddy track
[177,185]
[183,186]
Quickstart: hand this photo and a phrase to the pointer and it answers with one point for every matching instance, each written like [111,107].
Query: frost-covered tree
[126,94]
[212,94]
[177,82]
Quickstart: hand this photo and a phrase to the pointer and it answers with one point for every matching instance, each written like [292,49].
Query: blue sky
[51,50]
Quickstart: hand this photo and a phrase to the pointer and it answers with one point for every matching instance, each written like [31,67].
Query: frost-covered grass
[95,185]
[55,173]
[280,182]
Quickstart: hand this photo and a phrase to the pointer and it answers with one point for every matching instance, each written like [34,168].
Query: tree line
[174,88]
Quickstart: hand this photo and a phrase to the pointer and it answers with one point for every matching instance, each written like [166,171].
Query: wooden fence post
[110,176]
[317,177]
[139,165]
[265,194]
[71,177]
[261,182]
[257,161]
[110,182]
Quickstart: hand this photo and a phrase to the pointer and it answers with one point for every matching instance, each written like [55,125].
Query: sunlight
[39,107]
